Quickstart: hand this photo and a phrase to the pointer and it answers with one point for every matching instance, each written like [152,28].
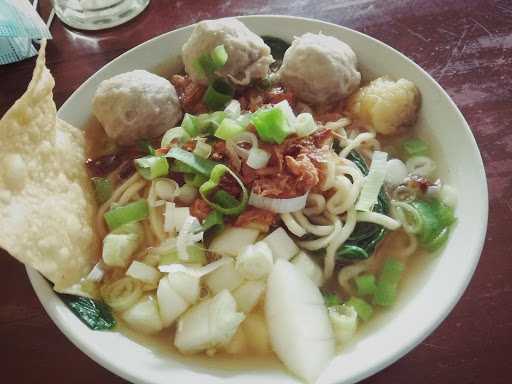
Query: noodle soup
[247,209]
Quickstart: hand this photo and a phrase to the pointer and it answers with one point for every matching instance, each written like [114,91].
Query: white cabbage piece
[224,277]
[304,263]
[300,332]
[255,262]
[170,303]
[211,323]
[144,316]
[248,295]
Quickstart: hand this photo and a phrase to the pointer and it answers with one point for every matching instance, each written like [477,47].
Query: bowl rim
[51,302]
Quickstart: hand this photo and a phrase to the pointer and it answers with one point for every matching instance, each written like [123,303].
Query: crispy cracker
[47,204]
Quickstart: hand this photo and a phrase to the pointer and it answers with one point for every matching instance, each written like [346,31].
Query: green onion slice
[228,129]
[211,185]
[219,56]
[194,162]
[151,167]
[132,212]
[365,284]
[103,189]
[271,125]
[414,147]
[363,309]
[218,94]
[215,219]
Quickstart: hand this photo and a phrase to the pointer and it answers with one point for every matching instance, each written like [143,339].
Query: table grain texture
[465,45]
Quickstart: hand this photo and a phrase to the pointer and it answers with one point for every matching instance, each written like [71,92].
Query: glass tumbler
[97,14]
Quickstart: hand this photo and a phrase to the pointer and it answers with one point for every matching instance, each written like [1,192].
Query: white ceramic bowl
[424,301]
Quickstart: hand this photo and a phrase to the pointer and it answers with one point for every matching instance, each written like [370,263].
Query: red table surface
[465,45]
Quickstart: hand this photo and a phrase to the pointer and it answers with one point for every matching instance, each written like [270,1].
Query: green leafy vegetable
[196,163]
[211,187]
[366,236]
[95,314]
[102,188]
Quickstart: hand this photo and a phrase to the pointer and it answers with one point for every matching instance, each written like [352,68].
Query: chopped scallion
[228,129]
[363,309]
[414,147]
[132,212]
[151,167]
[271,125]
[214,219]
[365,284]
[219,56]
[189,125]
[103,189]
[196,163]
[218,94]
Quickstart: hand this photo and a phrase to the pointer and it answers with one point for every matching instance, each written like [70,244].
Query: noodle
[353,144]
[348,273]
[318,205]
[380,219]
[322,242]
[337,241]
[318,230]
[347,193]
[292,225]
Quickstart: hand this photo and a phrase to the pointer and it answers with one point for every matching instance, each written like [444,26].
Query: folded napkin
[19,25]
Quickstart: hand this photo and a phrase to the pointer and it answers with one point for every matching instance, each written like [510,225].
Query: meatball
[248,56]
[136,105]
[385,104]
[320,69]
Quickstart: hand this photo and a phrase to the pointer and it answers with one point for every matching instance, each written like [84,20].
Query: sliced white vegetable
[97,272]
[305,125]
[256,333]
[299,327]
[233,240]
[248,295]
[209,324]
[373,182]
[281,244]
[224,277]
[186,285]
[175,217]
[255,262]
[233,109]
[305,264]
[276,205]
[421,166]
[189,234]
[344,322]
[170,303]
[243,137]
[284,106]
[448,195]
[396,172]
[195,270]
[144,316]
[258,158]
[118,248]
[143,272]
[187,194]
[238,344]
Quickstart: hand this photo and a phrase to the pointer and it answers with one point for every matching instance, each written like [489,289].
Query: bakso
[320,69]
[136,105]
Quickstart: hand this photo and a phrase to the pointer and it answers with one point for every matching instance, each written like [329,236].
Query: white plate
[425,300]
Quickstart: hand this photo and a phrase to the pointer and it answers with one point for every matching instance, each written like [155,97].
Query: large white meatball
[136,105]
[248,56]
[320,69]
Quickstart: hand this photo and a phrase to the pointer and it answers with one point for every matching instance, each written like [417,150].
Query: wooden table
[465,45]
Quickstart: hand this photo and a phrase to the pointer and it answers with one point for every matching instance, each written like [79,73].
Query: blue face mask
[19,25]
